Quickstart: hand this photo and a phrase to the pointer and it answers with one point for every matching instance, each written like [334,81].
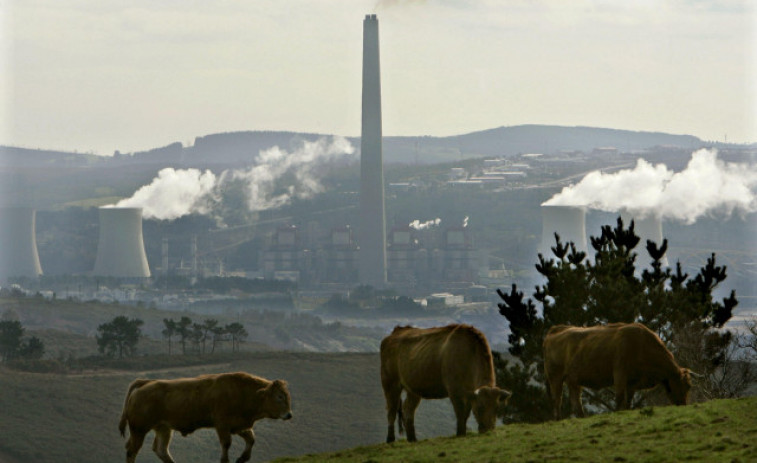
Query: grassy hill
[336,400]
[717,431]
[338,404]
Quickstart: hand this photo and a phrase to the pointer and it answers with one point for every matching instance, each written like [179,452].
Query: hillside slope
[717,431]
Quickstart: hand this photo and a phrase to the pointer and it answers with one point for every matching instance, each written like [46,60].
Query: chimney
[372,238]
[18,243]
[567,221]
[121,249]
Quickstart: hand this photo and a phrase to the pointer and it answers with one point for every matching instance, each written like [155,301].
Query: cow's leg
[393,396]
[136,438]
[408,411]
[462,412]
[623,396]
[622,399]
[249,441]
[555,392]
[224,437]
[574,390]
[160,444]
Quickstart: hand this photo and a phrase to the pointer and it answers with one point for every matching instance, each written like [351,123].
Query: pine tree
[609,289]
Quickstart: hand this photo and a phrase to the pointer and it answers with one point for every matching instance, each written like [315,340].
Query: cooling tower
[372,238]
[647,227]
[18,243]
[121,249]
[567,221]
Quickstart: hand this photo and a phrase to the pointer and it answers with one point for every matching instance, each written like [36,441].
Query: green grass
[338,407]
[717,431]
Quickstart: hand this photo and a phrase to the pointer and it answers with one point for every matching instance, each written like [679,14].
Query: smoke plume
[706,186]
[276,177]
[174,193]
[418,225]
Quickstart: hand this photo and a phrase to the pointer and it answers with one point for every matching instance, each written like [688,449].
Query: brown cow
[453,361]
[628,356]
[228,402]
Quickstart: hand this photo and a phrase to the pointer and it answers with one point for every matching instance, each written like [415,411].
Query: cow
[627,356]
[453,361]
[228,402]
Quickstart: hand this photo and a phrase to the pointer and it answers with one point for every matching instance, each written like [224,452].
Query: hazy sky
[104,75]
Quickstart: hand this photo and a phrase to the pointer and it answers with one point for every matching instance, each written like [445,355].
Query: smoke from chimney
[178,192]
[706,186]
[418,225]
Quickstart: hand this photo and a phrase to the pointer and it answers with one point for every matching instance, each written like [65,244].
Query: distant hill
[240,148]
[237,147]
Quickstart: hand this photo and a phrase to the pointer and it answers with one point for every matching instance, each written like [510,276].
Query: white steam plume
[707,185]
[418,225]
[305,164]
[175,193]
[465,221]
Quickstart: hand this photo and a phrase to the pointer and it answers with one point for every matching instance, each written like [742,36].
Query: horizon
[95,78]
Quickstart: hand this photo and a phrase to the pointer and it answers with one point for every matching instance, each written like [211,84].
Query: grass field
[336,399]
[717,431]
[338,405]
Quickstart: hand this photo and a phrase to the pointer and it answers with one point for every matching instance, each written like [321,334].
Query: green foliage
[611,289]
[13,345]
[11,332]
[119,337]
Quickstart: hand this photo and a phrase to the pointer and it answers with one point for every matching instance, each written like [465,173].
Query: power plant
[567,221]
[372,231]
[121,248]
[18,243]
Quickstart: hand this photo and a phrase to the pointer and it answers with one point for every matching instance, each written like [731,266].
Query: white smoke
[174,193]
[706,186]
[418,225]
[465,221]
[305,164]
[178,192]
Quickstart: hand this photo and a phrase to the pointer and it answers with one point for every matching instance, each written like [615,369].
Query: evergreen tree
[11,333]
[184,330]
[119,337]
[609,289]
[169,331]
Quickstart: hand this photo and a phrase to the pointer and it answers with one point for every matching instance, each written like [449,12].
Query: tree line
[119,337]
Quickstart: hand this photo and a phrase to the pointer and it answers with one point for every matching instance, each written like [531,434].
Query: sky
[96,76]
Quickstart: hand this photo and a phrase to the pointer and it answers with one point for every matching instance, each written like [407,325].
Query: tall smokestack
[567,221]
[18,243]
[121,249]
[372,213]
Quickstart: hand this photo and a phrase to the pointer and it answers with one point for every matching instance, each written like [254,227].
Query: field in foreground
[717,431]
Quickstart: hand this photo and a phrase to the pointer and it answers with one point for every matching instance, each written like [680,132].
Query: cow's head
[678,387]
[277,403]
[485,402]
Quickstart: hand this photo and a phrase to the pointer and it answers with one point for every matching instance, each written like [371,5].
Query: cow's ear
[472,396]
[280,383]
[504,395]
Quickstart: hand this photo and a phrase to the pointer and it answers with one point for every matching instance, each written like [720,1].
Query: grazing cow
[228,402]
[453,361]
[628,356]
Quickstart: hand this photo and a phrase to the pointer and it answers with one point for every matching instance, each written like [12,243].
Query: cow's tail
[137,383]
[400,422]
